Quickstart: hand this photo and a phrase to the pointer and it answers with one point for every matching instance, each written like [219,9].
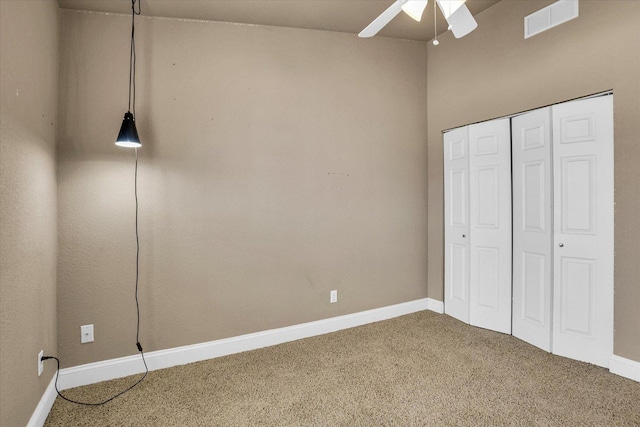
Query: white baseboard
[41,413]
[117,368]
[625,367]
[435,305]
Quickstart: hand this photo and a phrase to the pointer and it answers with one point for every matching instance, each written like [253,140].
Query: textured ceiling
[349,16]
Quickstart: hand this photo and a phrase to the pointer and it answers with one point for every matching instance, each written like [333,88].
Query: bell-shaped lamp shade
[414,8]
[128,136]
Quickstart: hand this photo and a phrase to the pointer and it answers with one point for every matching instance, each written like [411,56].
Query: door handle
[561,245]
[464,235]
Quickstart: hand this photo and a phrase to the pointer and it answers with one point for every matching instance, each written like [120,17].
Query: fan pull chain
[435,29]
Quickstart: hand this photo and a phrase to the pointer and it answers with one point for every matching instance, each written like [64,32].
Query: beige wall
[278,164]
[28,117]
[494,72]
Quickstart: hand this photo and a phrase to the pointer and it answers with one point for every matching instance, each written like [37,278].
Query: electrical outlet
[40,363]
[333,296]
[86,334]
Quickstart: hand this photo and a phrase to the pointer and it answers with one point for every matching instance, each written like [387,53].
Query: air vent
[549,17]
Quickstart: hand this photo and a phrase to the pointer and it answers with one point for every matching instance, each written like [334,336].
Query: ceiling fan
[460,20]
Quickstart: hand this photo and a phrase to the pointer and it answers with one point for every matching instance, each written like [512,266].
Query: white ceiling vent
[549,17]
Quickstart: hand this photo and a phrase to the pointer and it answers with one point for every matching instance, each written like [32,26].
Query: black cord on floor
[138,345]
[97,403]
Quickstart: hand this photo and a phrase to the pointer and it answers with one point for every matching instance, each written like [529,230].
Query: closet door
[490,225]
[456,232]
[583,230]
[532,227]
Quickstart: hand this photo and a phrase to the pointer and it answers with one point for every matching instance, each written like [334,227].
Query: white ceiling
[349,16]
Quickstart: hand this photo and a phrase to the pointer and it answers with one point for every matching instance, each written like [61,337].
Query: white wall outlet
[40,363]
[86,334]
[333,296]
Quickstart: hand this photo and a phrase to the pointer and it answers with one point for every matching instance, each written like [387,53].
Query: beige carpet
[423,369]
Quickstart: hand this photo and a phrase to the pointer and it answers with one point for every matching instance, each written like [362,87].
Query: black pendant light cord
[91,403]
[135,187]
[132,57]
[132,80]
[146,368]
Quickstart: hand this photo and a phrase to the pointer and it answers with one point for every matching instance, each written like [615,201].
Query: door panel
[459,282]
[456,213]
[486,187]
[532,227]
[578,194]
[488,277]
[577,297]
[583,239]
[458,193]
[533,301]
[490,225]
[534,190]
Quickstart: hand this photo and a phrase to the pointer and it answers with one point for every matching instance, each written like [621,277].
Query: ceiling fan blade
[382,20]
[462,22]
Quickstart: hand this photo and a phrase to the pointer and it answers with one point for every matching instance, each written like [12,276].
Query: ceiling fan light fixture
[460,20]
[448,7]
[458,16]
[415,8]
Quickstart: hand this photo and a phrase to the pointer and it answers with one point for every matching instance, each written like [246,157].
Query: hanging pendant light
[128,135]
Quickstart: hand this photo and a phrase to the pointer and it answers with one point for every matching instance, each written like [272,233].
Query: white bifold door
[478,224]
[583,230]
[456,212]
[563,229]
[541,182]
[490,225]
[532,227]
